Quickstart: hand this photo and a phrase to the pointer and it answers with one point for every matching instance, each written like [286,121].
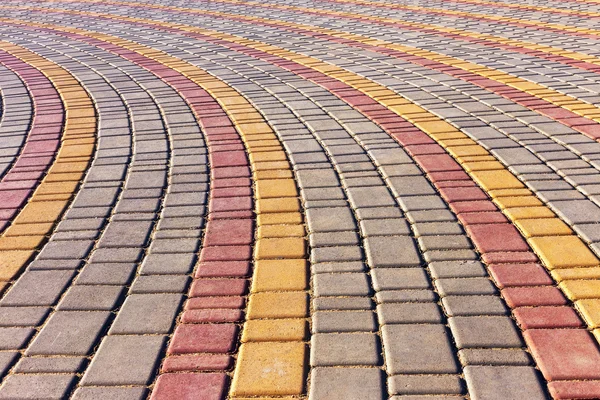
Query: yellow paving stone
[563,252]
[286,204]
[21,242]
[448,135]
[270,165]
[63,177]
[56,188]
[590,310]
[267,156]
[560,275]
[273,174]
[29,229]
[581,289]
[493,180]
[279,275]
[278,231]
[435,127]
[293,218]
[274,330]
[271,248]
[481,158]
[517,201]
[277,305]
[254,128]
[269,369]
[457,142]
[543,227]
[269,188]
[462,151]
[510,192]
[482,166]
[516,213]
[52,197]
[12,261]
[42,211]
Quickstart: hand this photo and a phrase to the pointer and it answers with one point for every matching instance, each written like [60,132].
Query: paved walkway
[324,200]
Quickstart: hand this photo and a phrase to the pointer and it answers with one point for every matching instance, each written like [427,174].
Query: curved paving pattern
[344,199]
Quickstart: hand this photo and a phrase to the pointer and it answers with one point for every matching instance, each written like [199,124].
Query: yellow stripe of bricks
[570,103]
[20,241]
[273,353]
[557,252]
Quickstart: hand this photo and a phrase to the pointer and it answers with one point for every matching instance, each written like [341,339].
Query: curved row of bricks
[186,206]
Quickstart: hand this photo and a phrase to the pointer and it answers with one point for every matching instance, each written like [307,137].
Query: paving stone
[399,278]
[350,284]
[346,384]
[506,382]
[34,386]
[494,357]
[408,313]
[330,219]
[345,349]
[22,316]
[124,360]
[384,227]
[126,234]
[338,239]
[391,251]
[343,321]
[366,213]
[336,254]
[418,349]
[457,269]
[403,296]
[106,274]
[37,288]
[69,333]
[71,249]
[484,331]
[425,384]
[464,286]
[49,365]
[83,297]
[7,358]
[147,313]
[342,303]
[160,284]
[473,305]
[340,267]
[112,393]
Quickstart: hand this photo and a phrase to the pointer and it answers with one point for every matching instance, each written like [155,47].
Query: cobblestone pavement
[322,200]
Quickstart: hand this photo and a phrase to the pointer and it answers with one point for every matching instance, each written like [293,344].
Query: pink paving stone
[231,214]
[187,386]
[228,159]
[547,317]
[230,204]
[567,390]
[437,163]
[509,257]
[211,315]
[496,237]
[229,232]
[424,149]
[227,147]
[452,195]
[225,253]
[197,303]
[472,206]
[563,354]
[455,184]
[448,176]
[218,287]
[13,199]
[506,275]
[204,338]
[231,182]
[230,172]
[529,296]
[193,363]
[231,192]
[223,269]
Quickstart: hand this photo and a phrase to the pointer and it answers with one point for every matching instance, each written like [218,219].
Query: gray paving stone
[35,387]
[342,303]
[126,234]
[503,383]
[437,228]
[160,284]
[344,349]
[384,227]
[147,313]
[346,384]
[338,239]
[376,213]
[106,274]
[330,220]
[37,288]
[391,251]
[425,384]
[69,333]
[399,278]
[158,264]
[7,358]
[348,284]
[408,313]
[72,249]
[473,305]
[418,349]
[410,186]
[484,332]
[424,216]
[421,203]
[450,255]
[370,197]
[178,245]
[124,361]
[343,321]
[494,357]
[22,316]
[110,393]
[577,211]
[37,365]
[404,296]
[116,255]
[457,269]
[83,297]
[50,264]
[339,267]
[336,254]
[464,286]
